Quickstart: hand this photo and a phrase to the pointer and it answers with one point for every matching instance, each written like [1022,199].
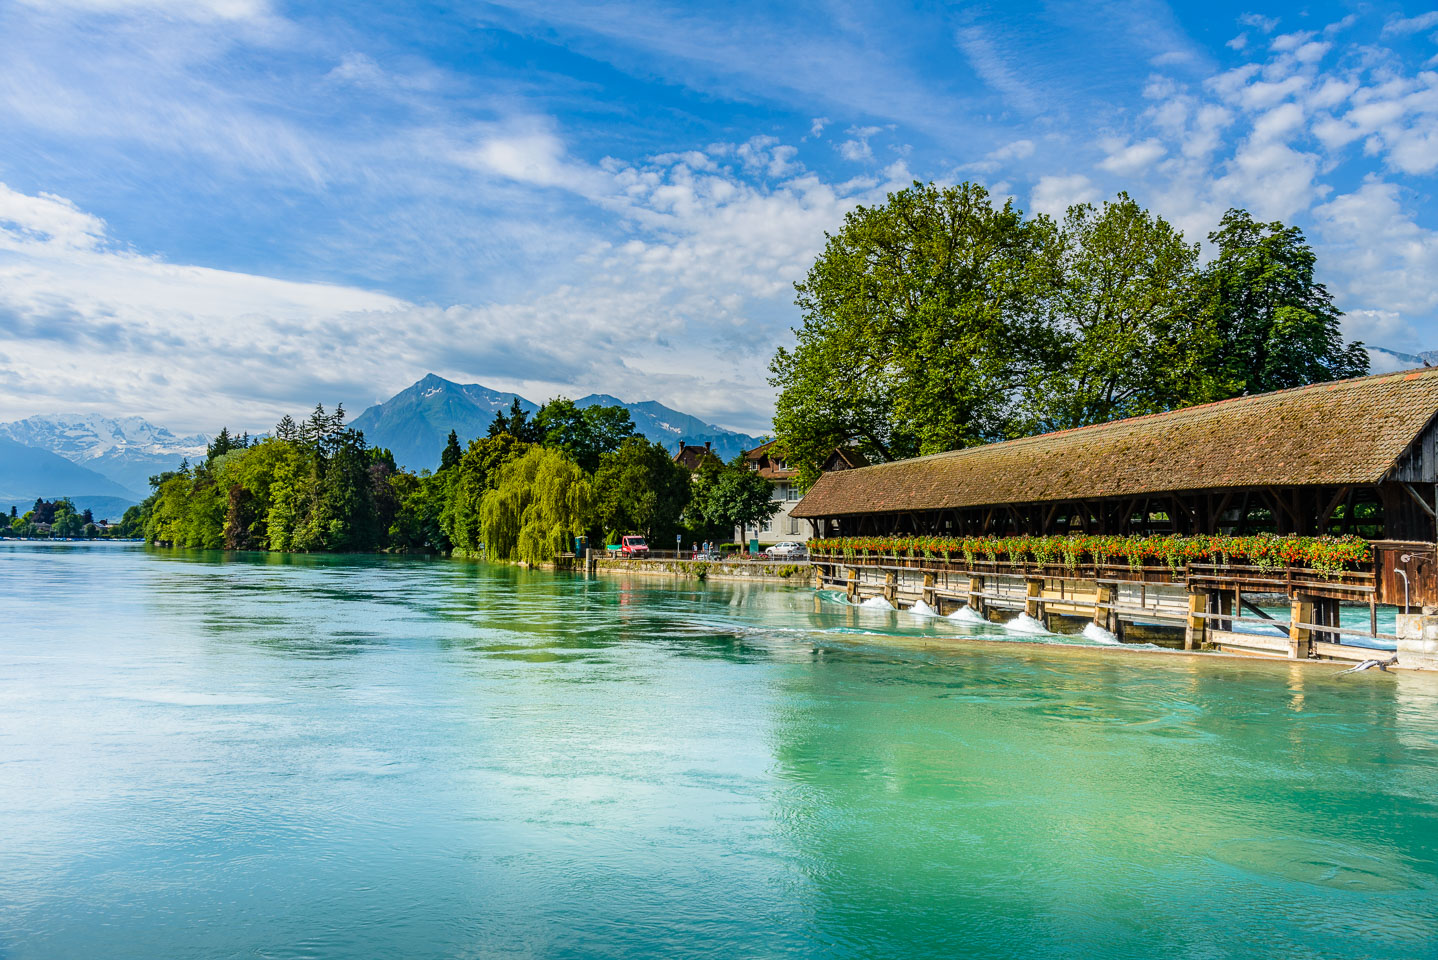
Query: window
[794,526]
[781,491]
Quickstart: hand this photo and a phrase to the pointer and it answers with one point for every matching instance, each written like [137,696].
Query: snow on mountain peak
[89,436]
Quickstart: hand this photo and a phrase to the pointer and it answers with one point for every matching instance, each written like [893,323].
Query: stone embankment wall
[777,571]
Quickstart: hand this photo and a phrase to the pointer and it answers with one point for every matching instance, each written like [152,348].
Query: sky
[219,211]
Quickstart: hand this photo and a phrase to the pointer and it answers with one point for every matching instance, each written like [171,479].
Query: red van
[633,546]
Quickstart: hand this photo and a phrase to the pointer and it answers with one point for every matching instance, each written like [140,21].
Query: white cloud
[1400,25]
[1390,262]
[46,219]
[1132,159]
[183,9]
[1053,195]
[1259,22]
[995,68]
[697,293]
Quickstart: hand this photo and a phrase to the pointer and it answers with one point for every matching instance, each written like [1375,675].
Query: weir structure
[1354,458]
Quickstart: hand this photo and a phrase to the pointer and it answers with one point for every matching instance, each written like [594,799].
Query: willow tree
[539,505]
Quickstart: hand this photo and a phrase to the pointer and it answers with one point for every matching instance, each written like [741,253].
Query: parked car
[633,546]
[786,549]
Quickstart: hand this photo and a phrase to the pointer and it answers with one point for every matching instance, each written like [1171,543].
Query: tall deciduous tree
[921,319]
[730,497]
[1128,341]
[584,434]
[639,488]
[1274,323]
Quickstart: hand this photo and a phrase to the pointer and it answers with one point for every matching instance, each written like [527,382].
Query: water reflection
[220,755]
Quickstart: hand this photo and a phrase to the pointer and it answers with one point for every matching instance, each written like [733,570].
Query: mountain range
[104,461]
[415,423]
[1383,360]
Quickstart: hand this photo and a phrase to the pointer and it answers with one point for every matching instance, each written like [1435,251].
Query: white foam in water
[922,609]
[1024,623]
[967,615]
[877,603]
[1098,634]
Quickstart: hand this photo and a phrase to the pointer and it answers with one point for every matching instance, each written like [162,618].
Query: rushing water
[208,756]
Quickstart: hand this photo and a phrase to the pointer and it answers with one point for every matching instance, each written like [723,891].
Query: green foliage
[475,475]
[921,318]
[584,435]
[452,452]
[728,496]
[517,424]
[540,503]
[1127,342]
[640,489]
[938,320]
[1275,325]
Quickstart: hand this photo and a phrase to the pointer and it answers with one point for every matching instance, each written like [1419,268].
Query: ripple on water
[1319,862]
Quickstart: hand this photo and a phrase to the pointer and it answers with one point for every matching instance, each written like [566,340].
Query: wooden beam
[1328,511]
[1420,501]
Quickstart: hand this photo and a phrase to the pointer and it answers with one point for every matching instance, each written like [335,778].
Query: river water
[259,756]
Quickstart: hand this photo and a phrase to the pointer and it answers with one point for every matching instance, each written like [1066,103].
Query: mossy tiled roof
[1351,431]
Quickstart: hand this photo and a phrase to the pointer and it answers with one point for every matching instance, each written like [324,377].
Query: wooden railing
[1358,585]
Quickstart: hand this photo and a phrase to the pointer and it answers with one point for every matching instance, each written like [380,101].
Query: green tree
[730,497]
[1128,342]
[921,318]
[517,424]
[540,503]
[1275,325]
[585,435]
[640,488]
[476,474]
[452,452]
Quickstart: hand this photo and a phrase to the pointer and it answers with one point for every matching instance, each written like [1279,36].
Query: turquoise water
[362,757]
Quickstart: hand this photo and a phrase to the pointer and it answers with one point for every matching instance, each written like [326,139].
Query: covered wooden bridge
[1356,457]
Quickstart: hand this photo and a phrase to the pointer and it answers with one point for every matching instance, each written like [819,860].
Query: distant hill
[127,450]
[30,472]
[415,423]
[672,428]
[1383,360]
[103,508]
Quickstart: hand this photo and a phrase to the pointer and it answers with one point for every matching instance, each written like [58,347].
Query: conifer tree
[452,452]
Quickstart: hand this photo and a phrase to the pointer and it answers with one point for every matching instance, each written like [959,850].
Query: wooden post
[1300,638]
[1194,629]
[1102,599]
[976,596]
[1034,599]
[853,587]
[929,597]
[891,587]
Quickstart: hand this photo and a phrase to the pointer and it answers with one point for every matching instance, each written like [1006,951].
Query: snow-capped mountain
[127,450]
[415,422]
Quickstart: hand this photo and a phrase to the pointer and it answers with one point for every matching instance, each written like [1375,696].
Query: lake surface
[251,756]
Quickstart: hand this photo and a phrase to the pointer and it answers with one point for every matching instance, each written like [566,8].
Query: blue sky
[222,210]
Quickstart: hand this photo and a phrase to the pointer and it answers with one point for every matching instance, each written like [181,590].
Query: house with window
[692,456]
[769,464]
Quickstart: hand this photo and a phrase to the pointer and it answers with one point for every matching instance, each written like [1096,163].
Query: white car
[786,549]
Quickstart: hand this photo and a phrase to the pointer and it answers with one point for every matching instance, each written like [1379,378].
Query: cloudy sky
[217,211]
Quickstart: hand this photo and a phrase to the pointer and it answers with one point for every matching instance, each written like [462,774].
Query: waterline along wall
[1319,467]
